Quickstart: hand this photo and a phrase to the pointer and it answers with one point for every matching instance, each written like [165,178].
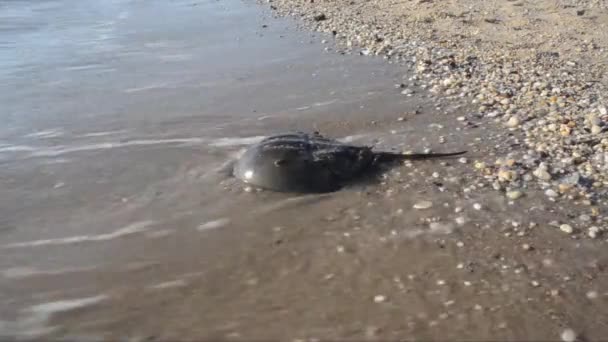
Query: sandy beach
[118,222]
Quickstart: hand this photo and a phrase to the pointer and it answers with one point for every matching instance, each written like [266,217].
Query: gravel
[539,92]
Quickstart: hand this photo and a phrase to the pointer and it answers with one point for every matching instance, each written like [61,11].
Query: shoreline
[548,96]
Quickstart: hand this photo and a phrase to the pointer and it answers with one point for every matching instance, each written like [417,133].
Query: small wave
[325,103]
[175,58]
[228,142]
[83,67]
[51,133]
[34,320]
[317,104]
[134,228]
[16,148]
[168,284]
[65,305]
[215,224]
[26,272]
[53,152]
[100,134]
[148,87]
[63,149]
[160,233]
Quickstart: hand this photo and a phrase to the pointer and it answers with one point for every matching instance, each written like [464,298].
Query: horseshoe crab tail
[391,157]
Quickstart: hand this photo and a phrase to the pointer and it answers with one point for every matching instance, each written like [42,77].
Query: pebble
[513,122]
[423,205]
[551,193]
[592,295]
[550,102]
[566,228]
[379,299]
[593,232]
[514,194]
[463,160]
[542,173]
[477,206]
[568,335]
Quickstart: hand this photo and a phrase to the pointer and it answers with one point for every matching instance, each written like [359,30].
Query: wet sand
[117,221]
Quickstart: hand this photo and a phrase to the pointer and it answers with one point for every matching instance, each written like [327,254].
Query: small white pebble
[467,283]
[568,335]
[463,160]
[593,232]
[477,206]
[460,244]
[440,282]
[592,295]
[535,283]
[515,194]
[423,205]
[566,228]
[379,299]
[478,307]
[340,249]
[551,193]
